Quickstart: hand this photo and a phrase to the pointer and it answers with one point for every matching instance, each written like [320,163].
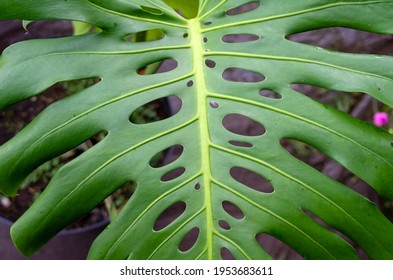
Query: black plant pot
[67,245]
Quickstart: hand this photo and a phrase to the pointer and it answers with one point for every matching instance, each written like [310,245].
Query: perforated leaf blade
[221,211]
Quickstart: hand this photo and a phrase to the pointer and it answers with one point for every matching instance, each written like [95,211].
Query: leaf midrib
[204,135]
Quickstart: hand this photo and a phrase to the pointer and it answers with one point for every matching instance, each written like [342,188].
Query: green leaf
[208,96]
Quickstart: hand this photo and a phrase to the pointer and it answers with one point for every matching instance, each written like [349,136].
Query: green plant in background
[196,37]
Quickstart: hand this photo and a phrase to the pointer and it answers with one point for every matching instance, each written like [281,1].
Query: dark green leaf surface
[27,68]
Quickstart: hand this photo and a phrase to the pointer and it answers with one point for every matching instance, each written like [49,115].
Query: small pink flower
[381,118]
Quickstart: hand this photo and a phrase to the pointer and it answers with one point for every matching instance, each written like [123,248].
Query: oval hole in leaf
[276,248]
[270,94]
[224,225]
[166,156]
[241,144]
[242,125]
[173,174]
[344,39]
[151,10]
[240,75]
[322,223]
[226,254]
[158,67]
[206,23]
[214,104]
[152,111]
[169,215]
[145,35]
[232,210]
[251,179]
[189,240]
[328,166]
[198,186]
[239,38]
[210,63]
[245,8]
[190,83]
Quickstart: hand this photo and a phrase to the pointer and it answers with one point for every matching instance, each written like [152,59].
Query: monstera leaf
[223,213]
